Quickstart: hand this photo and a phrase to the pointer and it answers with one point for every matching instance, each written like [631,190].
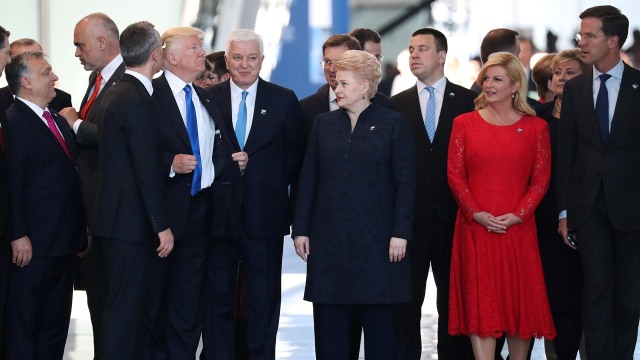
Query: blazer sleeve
[17,160]
[403,166]
[566,146]
[293,145]
[540,174]
[87,134]
[307,185]
[457,171]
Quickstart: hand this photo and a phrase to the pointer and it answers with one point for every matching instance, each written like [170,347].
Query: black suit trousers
[262,262]
[94,281]
[174,305]
[611,263]
[431,246]
[332,327]
[39,307]
[127,267]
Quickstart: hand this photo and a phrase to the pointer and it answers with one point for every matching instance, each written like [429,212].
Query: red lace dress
[497,285]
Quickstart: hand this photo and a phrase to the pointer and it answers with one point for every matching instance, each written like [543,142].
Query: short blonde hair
[170,37]
[566,55]
[364,65]
[515,72]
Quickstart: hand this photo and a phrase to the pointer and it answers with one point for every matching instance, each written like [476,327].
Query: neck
[431,79]
[607,63]
[356,109]
[42,103]
[145,70]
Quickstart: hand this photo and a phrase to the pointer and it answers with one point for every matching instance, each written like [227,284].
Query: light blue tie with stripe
[241,123]
[430,113]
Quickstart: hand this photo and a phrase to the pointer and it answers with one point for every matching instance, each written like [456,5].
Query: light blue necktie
[241,123]
[192,130]
[430,114]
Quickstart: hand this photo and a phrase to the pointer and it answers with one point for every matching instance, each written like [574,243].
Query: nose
[54,77]
[77,54]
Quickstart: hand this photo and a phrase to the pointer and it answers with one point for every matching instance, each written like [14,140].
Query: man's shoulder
[314,98]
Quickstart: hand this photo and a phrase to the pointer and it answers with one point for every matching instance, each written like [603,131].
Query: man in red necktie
[47,222]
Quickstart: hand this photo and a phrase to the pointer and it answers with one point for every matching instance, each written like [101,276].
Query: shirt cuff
[563,215]
[171,172]
[76,126]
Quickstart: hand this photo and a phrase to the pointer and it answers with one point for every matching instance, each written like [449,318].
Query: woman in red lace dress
[498,170]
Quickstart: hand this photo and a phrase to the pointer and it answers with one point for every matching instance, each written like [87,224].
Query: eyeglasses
[379,58]
[206,77]
[326,63]
[588,37]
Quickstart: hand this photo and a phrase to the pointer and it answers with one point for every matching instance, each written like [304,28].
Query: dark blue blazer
[586,164]
[46,203]
[273,146]
[356,192]
[129,203]
[175,140]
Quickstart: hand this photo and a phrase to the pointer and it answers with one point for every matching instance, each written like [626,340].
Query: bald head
[96,39]
[23,45]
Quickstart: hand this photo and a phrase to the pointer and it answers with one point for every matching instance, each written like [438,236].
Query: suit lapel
[109,83]
[38,124]
[628,94]
[92,80]
[224,100]
[259,111]
[414,112]
[65,131]
[447,111]
[167,102]
[584,90]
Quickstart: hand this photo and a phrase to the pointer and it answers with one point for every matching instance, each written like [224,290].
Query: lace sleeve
[540,174]
[457,172]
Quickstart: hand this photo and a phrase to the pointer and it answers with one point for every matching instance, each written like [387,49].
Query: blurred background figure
[218,66]
[541,76]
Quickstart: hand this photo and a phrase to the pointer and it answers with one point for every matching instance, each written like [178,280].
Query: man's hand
[70,114]
[22,251]
[301,243]
[166,243]
[183,163]
[397,249]
[242,158]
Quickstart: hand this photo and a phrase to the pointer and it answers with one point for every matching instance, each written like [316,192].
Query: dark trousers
[332,331]
[611,263]
[5,263]
[262,261]
[94,280]
[174,302]
[39,308]
[433,247]
[127,267]
[569,328]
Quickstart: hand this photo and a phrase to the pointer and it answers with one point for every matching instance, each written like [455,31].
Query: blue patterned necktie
[241,123]
[602,108]
[430,113]
[192,130]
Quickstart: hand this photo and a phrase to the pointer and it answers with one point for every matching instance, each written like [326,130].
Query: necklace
[497,118]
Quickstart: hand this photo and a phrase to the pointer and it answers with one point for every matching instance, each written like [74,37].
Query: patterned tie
[241,123]
[56,132]
[87,106]
[192,130]
[430,114]
[602,108]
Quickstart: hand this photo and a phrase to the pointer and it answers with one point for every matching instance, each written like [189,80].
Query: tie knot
[187,89]
[604,77]
[47,116]
[430,89]
[244,95]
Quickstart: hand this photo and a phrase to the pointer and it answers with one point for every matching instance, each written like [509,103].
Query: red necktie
[87,106]
[56,132]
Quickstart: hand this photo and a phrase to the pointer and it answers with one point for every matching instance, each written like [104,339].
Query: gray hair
[137,42]
[19,67]
[244,35]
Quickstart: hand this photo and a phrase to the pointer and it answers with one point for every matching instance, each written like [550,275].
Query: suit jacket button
[346,156]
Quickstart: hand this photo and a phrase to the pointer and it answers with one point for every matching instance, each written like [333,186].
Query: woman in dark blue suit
[354,213]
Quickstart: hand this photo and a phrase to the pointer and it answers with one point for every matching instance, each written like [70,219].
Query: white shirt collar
[107,71]
[143,79]
[615,72]
[439,85]
[36,109]
[175,83]
[236,90]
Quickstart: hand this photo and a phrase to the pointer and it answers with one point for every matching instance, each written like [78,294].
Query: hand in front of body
[22,251]
[242,158]
[70,114]
[397,249]
[166,243]
[301,243]
[183,163]
[563,230]
[496,224]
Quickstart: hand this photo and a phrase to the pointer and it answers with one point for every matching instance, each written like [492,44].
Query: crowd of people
[167,196]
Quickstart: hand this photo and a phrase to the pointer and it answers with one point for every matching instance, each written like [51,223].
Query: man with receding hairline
[5,249]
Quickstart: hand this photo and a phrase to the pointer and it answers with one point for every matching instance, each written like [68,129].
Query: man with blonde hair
[189,132]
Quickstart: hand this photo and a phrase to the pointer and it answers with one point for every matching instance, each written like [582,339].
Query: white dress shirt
[236,98]
[423,96]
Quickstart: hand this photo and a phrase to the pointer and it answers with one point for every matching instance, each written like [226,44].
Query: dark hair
[441,40]
[614,23]
[19,67]
[137,42]
[218,65]
[363,35]
[4,34]
[498,40]
[342,40]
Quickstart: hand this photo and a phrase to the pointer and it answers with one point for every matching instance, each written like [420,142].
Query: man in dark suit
[62,99]
[435,207]
[5,248]
[130,224]
[597,180]
[46,214]
[369,40]
[265,117]
[96,39]
[188,134]
[324,100]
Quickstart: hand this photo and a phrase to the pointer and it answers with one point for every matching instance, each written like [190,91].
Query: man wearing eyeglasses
[598,183]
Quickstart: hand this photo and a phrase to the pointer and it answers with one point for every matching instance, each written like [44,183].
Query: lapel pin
[372,128]
[635,86]
[519,130]
[263,111]
[452,94]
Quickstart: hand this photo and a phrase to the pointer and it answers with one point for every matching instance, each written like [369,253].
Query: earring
[513,95]
[362,96]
